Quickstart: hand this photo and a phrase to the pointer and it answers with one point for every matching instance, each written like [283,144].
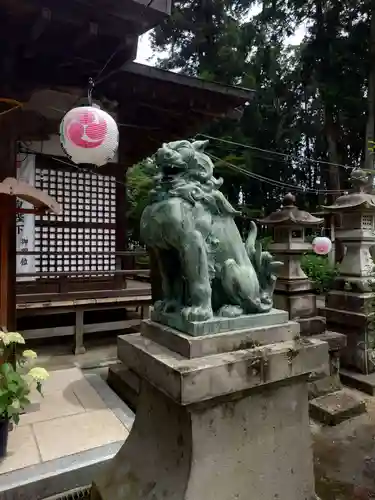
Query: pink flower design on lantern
[85,128]
[321,245]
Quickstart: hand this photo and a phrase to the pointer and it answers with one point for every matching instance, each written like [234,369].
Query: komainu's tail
[251,239]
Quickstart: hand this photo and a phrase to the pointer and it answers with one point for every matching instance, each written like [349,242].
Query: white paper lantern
[322,245]
[89,135]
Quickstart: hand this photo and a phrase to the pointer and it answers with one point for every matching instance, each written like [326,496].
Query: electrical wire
[252,175]
[273,181]
[278,153]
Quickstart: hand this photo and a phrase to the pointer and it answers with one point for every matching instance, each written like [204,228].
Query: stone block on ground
[336,407]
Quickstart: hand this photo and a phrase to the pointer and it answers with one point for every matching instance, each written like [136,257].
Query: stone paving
[70,418]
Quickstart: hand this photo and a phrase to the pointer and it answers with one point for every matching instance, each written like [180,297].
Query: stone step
[360,381]
[125,383]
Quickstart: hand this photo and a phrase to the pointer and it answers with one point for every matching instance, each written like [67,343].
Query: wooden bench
[79,307]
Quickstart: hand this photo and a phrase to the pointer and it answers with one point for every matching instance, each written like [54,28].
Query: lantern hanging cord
[90,89]
[114,53]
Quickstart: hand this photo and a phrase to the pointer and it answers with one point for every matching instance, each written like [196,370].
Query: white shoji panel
[85,198]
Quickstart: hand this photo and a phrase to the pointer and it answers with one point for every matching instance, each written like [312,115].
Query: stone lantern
[330,403]
[350,304]
[294,291]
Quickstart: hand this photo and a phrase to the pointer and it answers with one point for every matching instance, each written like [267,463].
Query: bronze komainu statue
[206,268]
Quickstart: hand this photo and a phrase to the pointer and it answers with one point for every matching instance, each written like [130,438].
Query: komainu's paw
[230,311]
[197,313]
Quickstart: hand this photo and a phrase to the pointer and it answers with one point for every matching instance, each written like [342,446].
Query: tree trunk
[331,133]
[331,126]
[370,136]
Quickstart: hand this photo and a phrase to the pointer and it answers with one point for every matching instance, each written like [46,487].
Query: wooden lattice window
[82,237]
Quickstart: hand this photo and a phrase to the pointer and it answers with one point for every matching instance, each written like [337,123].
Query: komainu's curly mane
[185,171]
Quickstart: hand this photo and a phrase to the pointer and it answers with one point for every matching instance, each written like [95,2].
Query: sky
[145,54]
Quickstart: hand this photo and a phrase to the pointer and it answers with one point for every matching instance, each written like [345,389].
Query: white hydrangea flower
[29,354]
[11,338]
[38,374]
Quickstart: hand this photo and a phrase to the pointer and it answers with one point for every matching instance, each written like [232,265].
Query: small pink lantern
[89,135]
[321,245]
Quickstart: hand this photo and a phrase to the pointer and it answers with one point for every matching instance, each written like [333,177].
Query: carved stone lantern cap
[358,198]
[290,215]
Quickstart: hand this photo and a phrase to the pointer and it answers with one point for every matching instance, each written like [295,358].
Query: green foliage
[266,241]
[319,270]
[310,100]
[14,391]
[16,376]
[143,262]
[139,184]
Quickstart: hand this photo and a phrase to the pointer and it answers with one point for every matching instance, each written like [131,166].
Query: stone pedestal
[297,296]
[217,417]
[350,310]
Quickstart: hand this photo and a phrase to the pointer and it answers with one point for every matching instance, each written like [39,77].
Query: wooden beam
[8,168]
[121,195]
[91,31]
[37,30]
[40,24]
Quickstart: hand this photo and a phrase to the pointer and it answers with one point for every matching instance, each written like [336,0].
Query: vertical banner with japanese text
[25,222]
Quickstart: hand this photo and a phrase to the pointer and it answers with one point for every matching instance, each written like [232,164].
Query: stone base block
[336,407]
[359,381]
[312,326]
[219,325]
[346,318]
[219,426]
[299,305]
[336,341]
[348,301]
[355,326]
[243,448]
[353,284]
[196,347]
